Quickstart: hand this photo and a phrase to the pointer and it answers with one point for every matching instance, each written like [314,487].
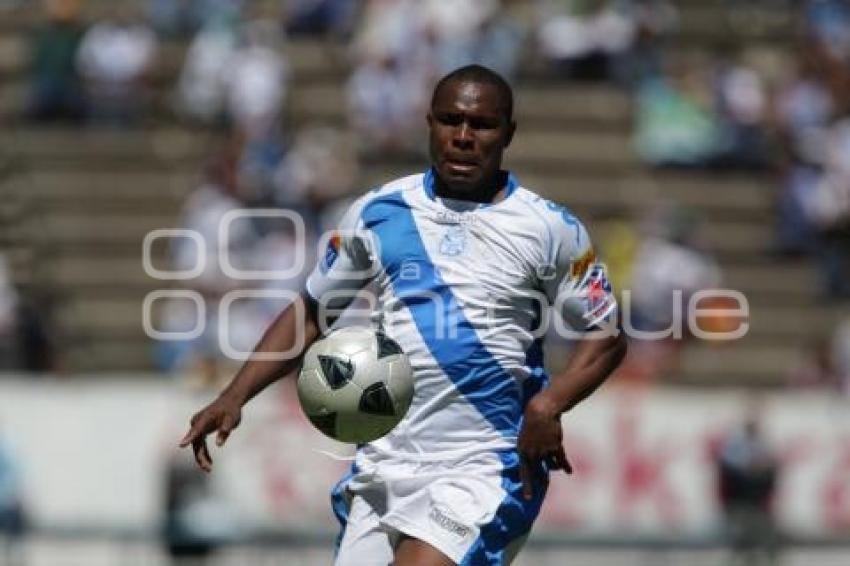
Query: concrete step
[726,197]
[714,23]
[103,316]
[777,280]
[738,240]
[573,105]
[69,273]
[738,364]
[724,193]
[94,190]
[802,323]
[554,107]
[105,148]
[108,354]
[578,149]
[14,55]
[48,227]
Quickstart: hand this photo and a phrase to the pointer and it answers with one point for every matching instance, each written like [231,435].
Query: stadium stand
[77,203]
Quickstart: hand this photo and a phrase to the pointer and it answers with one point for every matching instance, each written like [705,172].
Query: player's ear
[430,119]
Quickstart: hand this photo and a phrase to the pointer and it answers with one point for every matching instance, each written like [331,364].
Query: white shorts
[472,511]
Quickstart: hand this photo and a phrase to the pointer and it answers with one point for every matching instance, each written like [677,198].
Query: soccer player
[465,260]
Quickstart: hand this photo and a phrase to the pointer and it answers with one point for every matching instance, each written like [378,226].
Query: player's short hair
[481,75]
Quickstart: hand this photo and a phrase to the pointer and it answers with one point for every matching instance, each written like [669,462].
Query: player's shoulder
[401,185]
[557,219]
[392,190]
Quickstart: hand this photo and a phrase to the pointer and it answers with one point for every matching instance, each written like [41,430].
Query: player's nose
[463,135]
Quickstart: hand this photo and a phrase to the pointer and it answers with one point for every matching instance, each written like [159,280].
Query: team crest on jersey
[331,252]
[454,241]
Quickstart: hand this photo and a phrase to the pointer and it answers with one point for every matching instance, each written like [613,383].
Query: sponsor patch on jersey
[331,252]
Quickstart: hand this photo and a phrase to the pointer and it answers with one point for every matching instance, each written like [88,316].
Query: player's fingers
[202,454]
[563,462]
[525,476]
[187,438]
[196,430]
[224,430]
[191,435]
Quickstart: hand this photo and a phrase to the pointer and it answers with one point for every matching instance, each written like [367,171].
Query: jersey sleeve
[346,264]
[577,285]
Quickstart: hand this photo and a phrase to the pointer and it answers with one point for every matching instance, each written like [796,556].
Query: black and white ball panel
[355,384]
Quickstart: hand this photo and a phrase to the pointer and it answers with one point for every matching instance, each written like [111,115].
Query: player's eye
[483,123]
[450,119]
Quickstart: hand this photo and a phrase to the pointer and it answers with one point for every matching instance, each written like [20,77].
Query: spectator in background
[840,354]
[819,368]
[462,32]
[319,17]
[706,112]
[676,122]
[200,92]
[747,474]
[320,169]
[583,38]
[25,342]
[9,308]
[256,80]
[804,107]
[115,58]
[388,89]
[830,211]
[669,260]
[668,269]
[179,18]
[11,506]
[195,523]
[828,27]
[386,100]
[203,213]
[56,89]
[827,36]
[654,20]
[741,102]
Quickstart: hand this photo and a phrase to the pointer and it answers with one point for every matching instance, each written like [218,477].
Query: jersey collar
[428,183]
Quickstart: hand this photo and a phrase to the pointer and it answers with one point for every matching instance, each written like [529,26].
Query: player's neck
[489,192]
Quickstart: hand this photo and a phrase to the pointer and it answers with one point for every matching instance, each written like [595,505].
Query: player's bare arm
[541,436]
[295,323]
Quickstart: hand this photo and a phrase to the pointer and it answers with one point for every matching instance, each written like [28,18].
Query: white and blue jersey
[463,287]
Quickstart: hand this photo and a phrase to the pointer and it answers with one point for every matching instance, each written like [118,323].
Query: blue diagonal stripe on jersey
[448,334]
[340,503]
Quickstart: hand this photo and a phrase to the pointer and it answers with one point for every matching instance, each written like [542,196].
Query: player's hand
[221,416]
[540,440]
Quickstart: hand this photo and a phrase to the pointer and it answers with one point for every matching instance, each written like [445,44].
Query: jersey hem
[417,532]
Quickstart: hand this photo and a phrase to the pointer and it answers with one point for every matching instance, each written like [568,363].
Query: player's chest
[475,249]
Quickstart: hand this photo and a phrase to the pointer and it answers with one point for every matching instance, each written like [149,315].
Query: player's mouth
[461,166]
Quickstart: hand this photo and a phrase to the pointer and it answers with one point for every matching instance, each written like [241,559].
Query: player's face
[469,131]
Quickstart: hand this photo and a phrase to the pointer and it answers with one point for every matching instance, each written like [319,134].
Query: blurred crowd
[26,342]
[741,106]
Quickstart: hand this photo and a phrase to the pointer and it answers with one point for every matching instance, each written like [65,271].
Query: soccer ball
[355,384]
